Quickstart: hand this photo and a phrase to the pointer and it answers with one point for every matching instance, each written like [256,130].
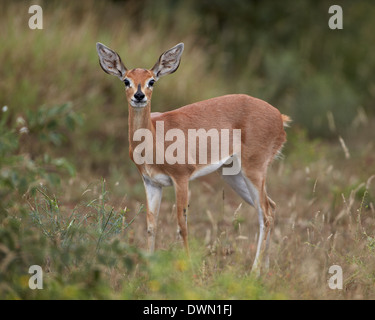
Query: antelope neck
[139,118]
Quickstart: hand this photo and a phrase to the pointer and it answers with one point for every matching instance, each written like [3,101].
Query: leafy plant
[21,171]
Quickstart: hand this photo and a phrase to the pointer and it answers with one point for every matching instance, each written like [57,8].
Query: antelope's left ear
[168,62]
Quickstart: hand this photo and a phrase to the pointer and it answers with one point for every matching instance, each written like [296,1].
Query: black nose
[139,95]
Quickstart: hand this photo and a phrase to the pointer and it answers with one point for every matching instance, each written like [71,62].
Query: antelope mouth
[138,104]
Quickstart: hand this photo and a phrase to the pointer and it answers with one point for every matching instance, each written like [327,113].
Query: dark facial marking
[139,95]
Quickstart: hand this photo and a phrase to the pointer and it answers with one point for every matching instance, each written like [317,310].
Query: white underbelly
[209,168]
[162,179]
[166,181]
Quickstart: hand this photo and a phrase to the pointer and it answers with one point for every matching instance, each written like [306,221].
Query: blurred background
[283,53]
[64,122]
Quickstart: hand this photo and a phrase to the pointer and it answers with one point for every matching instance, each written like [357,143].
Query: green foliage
[313,114]
[50,124]
[22,169]
[21,175]
[171,275]
[75,249]
[285,53]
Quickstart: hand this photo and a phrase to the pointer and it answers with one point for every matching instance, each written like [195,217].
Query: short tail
[286,120]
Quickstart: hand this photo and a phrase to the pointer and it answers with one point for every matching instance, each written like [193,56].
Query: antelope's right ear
[110,61]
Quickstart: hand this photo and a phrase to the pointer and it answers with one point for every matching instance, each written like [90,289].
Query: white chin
[138,104]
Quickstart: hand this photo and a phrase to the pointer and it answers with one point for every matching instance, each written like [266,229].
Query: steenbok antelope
[253,135]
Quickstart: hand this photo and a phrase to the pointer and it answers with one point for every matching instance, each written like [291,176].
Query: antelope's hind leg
[265,207]
[253,191]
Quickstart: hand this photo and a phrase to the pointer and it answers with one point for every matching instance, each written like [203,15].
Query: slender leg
[256,264]
[265,214]
[263,204]
[182,195]
[153,194]
[269,225]
[248,191]
[266,251]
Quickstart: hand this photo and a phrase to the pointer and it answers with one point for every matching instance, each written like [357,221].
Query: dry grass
[325,216]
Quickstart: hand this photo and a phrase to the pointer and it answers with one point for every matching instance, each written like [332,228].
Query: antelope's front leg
[153,194]
[182,198]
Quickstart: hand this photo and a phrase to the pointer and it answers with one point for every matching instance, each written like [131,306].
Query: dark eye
[151,82]
[127,82]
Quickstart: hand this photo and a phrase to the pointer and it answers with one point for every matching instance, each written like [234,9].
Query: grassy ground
[73,203]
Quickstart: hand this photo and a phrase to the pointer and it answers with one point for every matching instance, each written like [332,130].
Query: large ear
[110,61]
[168,61]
